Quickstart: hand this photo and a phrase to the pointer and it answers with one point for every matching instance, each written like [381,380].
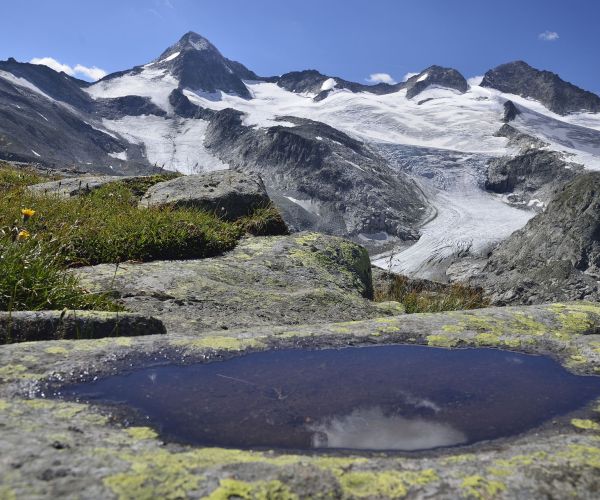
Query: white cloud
[548,36]
[54,64]
[93,73]
[381,78]
[408,75]
[89,73]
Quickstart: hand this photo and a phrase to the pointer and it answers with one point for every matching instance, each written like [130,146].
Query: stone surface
[56,449]
[227,193]
[27,326]
[268,280]
[557,95]
[75,186]
[556,256]
[435,76]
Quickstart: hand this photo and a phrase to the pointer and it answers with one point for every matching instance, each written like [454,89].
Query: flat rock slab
[26,326]
[75,186]
[294,279]
[227,193]
[56,449]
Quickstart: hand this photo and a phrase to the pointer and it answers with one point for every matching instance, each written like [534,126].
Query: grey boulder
[227,193]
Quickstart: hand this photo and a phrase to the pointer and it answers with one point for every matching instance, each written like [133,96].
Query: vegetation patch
[420,296]
[41,235]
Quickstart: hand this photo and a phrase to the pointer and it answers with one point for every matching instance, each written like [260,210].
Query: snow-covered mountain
[384,164]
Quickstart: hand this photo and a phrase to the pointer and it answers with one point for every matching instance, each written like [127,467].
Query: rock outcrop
[30,326]
[227,193]
[530,178]
[283,279]
[438,77]
[557,95]
[556,256]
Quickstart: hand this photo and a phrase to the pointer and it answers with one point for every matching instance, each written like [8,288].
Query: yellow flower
[23,234]
[27,212]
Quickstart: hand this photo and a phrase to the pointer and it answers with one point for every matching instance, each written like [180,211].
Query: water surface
[370,398]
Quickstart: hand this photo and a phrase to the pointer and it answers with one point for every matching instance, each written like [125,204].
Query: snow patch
[119,156]
[153,83]
[174,55]
[175,144]
[36,154]
[308,205]
[328,84]
[423,77]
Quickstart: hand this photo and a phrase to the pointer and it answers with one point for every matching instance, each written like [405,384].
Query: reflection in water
[371,429]
[380,398]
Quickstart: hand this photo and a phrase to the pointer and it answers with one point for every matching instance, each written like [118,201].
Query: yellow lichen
[218,343]
[140,433]
[259,490]
[481,488]
[56,350]
[487,339]
[441,341]
[588,425]
[388,484]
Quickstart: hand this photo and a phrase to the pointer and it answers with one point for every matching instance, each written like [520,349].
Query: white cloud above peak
[79,70]
[548,36]
[408,75]
[381,78]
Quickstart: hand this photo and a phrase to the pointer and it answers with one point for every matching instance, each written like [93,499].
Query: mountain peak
[190,42]
[194,41]
[199,66]
[518,77]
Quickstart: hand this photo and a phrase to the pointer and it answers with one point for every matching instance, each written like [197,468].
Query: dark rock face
[510,112]
[556,256]
[557,95]
[438,76]
[533,174]
[311,81]
[29,326]
[129,105]
[227,193]
[183,107]
[332,183]
[200,66]
[518,139]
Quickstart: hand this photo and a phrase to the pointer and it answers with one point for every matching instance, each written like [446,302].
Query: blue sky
[348,38]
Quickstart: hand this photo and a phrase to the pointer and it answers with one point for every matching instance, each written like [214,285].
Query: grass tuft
[419,296]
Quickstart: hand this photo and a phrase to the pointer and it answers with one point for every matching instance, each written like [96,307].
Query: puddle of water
[367,398]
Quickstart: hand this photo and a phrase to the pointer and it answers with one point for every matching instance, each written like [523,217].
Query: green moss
[481,488]
[259,490]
